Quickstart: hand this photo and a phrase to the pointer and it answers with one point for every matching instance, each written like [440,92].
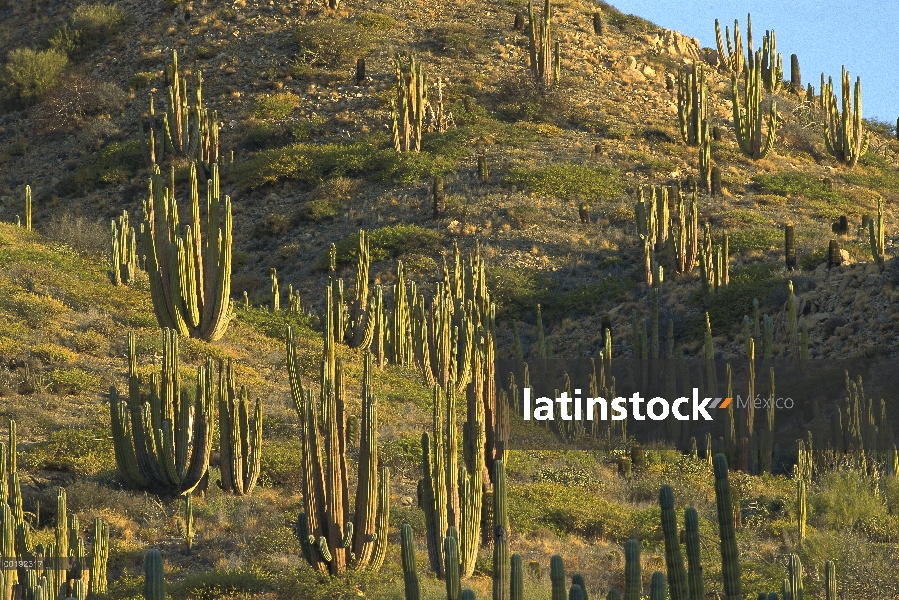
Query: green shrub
[847,498]
[319,210]
[331,43]
[589,299]
[141,80]
[568,180]
[30,74]
[526,214]
[91,26]
[517,290]
[53,353]
[215,585]
[376,21]
[73,381]
[727,307]
[796,183]
[80,451]
[457,40]
[744,240]
[116,163]
[391,241]
[275,107]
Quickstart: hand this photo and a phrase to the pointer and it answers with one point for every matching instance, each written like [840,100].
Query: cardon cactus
[801,510]
[500,533]
[123,263]
[163,439]
[410,572]
[633,572]
[730,553]
[516,575]
[408,109]
[186,524]
[99,557]
[577,580]
[694,575]
[452,565]
[557,577]
[674,560]
[844,134]
[795,580]
[876,234]
[190,277]
[657,589]
[732,59]
[331,541]
[830,581]
[451,494]
[240,441]
[692,103]
[748,115]
[544,65]
[154,576]
[28,208]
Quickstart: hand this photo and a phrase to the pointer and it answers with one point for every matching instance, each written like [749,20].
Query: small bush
[91,26]
[73,381]
[319,210]
[274,224]
[81,451]
[457,40]
[81,234]
[76,97]
[31,74]
[116,163]
[589,299]
[275,107]
[526,214]
[517,290]
[390,242]
[53,353]
[567,180]
[727,307]
[332,43]
[796,183]
[846,499]
[376,21]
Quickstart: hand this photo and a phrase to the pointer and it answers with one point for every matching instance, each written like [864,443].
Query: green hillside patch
[391,241]
[567,180]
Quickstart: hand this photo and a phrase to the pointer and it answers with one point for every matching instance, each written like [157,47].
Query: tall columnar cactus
[790,246]
[331,540]
[633,572]
[99,557]
[801,510]
[190,277]
[657,589]
[830,581]
[692,103]
[683,242]
[771,63]
[516,576]
[796,75]
[410,572]
[557,577]
[732,59]
[544,66]
[876,234]
[452,564]
[451,494]
[409,107]
[28,208]
[730,554]
[154,576]
[163,439]
[694,575]
[705,157]
[500,534]
[240,439]
[674,560]
[123,241]
[748,114]
[795,580]
[186,524]
[844,133]
[189,129]
[276,292]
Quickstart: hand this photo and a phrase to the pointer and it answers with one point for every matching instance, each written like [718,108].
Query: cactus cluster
[845,135]
[240,438]
[749,116]
[123,263]
[692,103]
[354,323]
[332,540]
[450,493]
[714,262]
[187,130]
[408,109]
[190,275]
[163,437]
[658,228]
[545,58]
[63,568]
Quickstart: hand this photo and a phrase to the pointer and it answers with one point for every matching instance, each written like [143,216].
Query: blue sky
[863,35]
